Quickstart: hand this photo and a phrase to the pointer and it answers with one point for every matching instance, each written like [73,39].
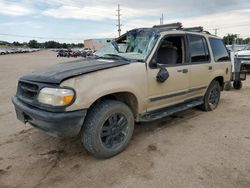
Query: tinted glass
[198,49]
[219,50]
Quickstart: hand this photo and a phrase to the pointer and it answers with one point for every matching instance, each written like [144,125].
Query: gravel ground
[190,149]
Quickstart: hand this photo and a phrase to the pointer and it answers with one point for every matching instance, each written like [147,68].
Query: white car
[88,50]
[3,52]
[245,56]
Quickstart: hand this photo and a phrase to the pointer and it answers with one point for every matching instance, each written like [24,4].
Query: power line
[226,27]
[119,20]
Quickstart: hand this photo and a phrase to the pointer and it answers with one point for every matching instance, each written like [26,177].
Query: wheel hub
[214,97]
[114,131]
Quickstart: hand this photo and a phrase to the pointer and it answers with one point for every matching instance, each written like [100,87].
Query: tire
[101,135]
[212,97]
[237,85]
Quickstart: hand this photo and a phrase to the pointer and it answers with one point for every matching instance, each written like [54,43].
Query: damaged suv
[144,75]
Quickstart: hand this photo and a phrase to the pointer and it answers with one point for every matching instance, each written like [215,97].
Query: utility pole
[162,19]
[216,31]
[238,39]
[119,20]
[228,39]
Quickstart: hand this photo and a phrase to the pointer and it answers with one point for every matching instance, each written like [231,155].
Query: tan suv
[144,75]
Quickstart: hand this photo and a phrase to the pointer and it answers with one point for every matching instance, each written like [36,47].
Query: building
[96,44]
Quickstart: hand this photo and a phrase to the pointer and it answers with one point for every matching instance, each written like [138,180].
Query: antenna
[119,20]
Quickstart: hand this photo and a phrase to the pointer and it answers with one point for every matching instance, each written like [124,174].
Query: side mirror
[162,75]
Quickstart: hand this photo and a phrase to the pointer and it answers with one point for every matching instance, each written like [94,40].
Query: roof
[174,27]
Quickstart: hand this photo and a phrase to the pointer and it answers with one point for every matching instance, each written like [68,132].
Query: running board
[158,114]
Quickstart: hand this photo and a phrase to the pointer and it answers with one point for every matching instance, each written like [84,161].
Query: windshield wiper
[115,56]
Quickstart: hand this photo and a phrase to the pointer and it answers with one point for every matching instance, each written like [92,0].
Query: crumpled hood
[62,71]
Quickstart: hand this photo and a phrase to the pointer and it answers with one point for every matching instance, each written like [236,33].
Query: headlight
[56,97]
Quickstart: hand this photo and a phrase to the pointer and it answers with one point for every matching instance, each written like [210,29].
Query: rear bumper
[61,124]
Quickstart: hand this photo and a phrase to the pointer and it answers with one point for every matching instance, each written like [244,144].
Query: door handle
[184,71]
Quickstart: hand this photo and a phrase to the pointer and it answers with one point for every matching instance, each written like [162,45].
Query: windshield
[134,45]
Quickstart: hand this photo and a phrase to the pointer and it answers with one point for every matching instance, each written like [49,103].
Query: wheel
[108,128]
[212,97]
[237,85]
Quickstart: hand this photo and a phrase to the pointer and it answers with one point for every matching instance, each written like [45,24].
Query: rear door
[200,65]
[221,58]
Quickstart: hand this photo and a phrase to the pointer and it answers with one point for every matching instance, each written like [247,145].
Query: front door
[170,56]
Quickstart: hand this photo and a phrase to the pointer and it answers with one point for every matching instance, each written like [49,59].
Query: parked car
[244,55]
[71,53]
[62,53]
[88,50]
[3,52]
[165,69]
[79,53]
[11,51]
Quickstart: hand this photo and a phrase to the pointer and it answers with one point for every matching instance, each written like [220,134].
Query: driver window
[171,51]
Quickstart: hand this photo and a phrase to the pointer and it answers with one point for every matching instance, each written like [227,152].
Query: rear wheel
[108,129]
[237,85]
[212,97]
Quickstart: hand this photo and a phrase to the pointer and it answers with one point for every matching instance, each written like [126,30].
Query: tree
[33,44]
[52,44]
[80,45]
[247,41]
[17,44]
[229,39]
[64,45]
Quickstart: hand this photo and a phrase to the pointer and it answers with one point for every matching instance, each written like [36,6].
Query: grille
[244,57]
[27,91]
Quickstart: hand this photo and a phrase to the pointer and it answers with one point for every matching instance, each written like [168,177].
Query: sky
[72,21]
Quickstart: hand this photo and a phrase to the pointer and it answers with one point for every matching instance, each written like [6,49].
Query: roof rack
[194,29]
[176,26]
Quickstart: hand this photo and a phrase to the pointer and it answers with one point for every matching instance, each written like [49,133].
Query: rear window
[219,50]
[198,49]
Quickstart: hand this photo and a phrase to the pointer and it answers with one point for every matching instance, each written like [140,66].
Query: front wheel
[108,129]
[212,97]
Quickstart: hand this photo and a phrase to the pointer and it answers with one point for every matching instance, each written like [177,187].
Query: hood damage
[62,71]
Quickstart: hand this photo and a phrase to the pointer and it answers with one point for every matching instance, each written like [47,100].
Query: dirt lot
[190,149]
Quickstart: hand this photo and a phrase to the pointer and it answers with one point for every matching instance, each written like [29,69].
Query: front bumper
[61,124]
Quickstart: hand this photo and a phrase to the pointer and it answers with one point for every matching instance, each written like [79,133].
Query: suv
[164,70]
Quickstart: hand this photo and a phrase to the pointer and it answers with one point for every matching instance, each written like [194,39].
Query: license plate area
[243,75]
